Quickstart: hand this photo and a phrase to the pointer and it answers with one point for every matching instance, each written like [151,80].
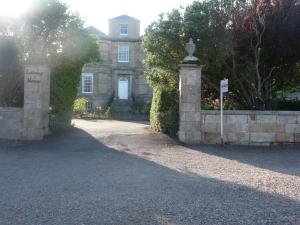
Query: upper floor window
[124,29]
[87,83]
[123,53]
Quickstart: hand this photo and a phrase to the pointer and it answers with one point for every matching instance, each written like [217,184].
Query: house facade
[119,77]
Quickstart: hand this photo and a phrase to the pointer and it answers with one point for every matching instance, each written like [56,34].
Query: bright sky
[97,12]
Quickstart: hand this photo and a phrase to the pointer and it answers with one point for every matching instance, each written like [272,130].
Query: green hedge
[164,111]
[288,105]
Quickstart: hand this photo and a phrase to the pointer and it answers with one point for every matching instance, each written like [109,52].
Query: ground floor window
[87,83]
[89,106]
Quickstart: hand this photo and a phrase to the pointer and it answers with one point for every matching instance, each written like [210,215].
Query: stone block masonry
[251,127]
[31,121]
[240,127]
[36,101]
[190,107]
[11,123]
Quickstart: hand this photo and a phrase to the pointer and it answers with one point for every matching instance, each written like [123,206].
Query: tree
[164,49]
[65,46]
[11,73]
[49,34]
[253,43]
[268,44]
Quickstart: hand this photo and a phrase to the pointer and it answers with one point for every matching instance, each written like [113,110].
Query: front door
[123,88]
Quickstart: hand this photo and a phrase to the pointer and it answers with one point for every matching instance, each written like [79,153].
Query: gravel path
[112,172]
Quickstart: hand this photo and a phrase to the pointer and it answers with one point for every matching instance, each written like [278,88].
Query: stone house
[119,77]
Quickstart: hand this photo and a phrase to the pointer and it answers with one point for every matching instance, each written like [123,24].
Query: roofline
[129,17]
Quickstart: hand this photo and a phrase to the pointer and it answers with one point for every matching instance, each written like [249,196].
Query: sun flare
[13,8]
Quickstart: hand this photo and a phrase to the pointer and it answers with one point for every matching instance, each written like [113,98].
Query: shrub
[108,113]
[164,111]
[140,105]
[80,106]
[283,104]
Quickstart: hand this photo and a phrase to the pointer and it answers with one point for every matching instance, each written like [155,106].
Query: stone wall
[11,123]
[133,26]
[251,127]
[31,121]
[189,104]
[36,101]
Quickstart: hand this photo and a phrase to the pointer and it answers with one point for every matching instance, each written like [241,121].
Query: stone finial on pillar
[190,48]
[190,98]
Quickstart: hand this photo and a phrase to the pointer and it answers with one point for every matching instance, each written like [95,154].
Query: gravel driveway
[112,172]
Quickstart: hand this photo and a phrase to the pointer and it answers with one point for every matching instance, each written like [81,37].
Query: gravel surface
[112,172]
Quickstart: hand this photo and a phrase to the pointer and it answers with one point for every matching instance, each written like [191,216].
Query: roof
[124,17]
[95,31]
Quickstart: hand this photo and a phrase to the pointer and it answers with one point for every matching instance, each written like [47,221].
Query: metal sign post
[223,89]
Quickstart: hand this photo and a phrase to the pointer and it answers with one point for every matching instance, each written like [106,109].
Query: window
[87,83]
[89,106]
[123,53]
[124,29]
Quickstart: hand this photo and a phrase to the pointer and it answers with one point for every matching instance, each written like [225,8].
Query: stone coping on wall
[250,112]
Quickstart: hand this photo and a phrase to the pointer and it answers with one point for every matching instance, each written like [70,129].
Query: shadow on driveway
[283,159]
[72,178]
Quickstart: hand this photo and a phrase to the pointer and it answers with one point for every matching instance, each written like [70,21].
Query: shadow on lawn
[72,178]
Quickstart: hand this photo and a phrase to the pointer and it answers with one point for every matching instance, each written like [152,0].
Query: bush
[108,112]
[80,106]
[164,111]
[11,73]
[171,120]
[282,104]
[139,105]
[59,122]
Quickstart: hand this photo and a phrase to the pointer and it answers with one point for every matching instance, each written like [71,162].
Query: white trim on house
[123,88]
[123,53]
[87,89]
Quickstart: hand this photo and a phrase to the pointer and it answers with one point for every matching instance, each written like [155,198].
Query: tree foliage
[11,73]
[253,43]
[164,48]
[50,34]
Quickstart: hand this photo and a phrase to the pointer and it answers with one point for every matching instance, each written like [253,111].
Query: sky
[97,12]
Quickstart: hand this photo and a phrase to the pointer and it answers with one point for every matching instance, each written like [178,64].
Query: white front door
[123,88]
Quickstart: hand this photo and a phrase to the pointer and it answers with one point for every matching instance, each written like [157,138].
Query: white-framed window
[87,83]
[89,106]
[123,53]
[124,29]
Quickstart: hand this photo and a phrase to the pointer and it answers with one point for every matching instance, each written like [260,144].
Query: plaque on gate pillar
[36,93]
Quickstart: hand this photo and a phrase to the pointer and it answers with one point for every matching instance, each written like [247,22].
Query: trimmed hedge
[164,111]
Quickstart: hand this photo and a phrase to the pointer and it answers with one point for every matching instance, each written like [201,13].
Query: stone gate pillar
[190,98]
[36,101]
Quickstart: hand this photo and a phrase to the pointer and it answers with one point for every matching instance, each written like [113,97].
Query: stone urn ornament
[190,48]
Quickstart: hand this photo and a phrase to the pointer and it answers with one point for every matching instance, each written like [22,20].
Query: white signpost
[223,89]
